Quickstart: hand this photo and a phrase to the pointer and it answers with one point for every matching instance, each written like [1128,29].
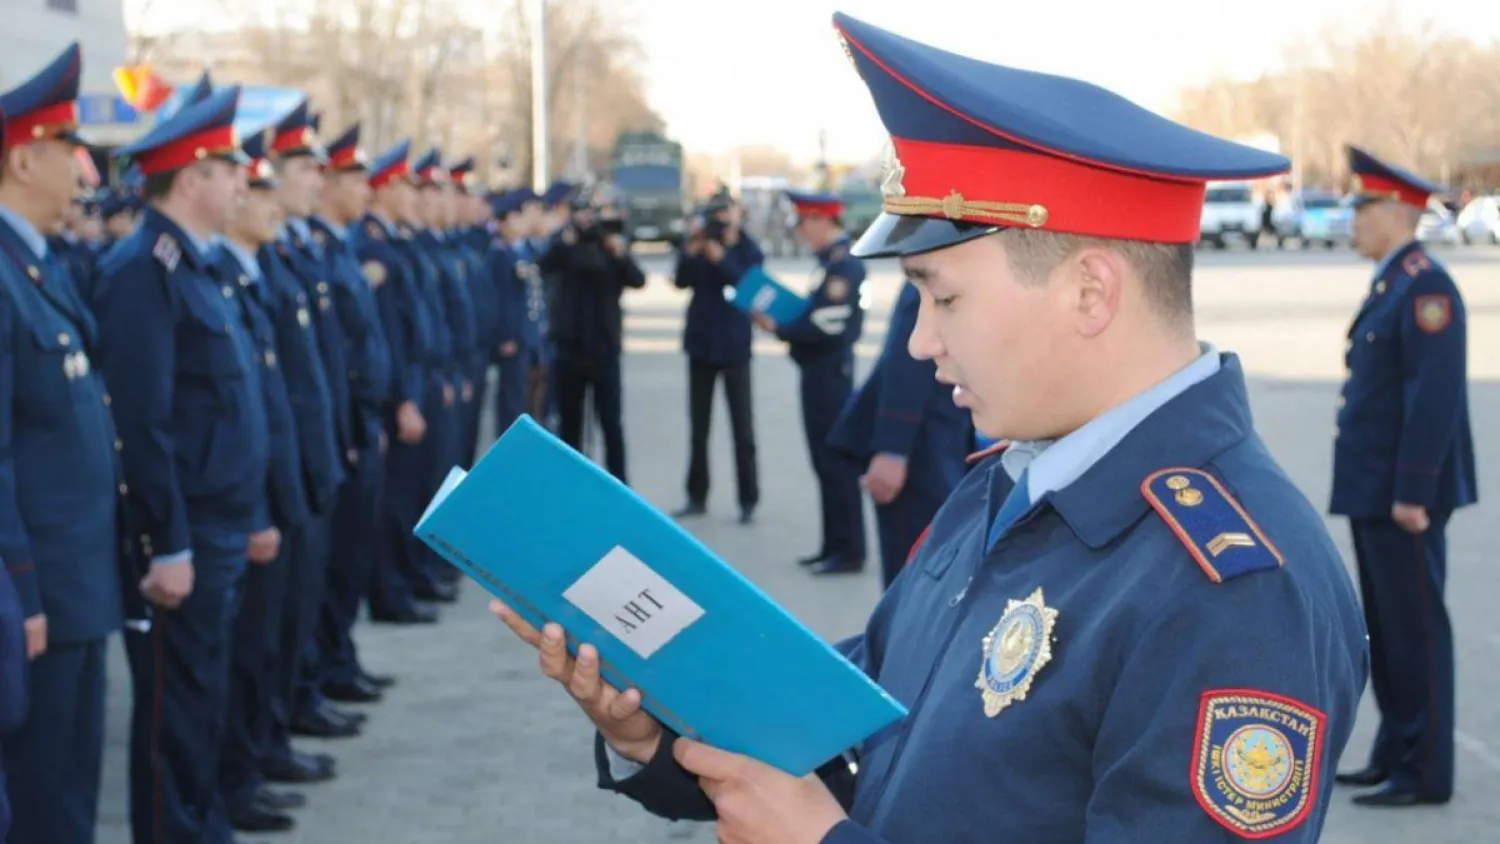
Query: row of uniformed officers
[219,432]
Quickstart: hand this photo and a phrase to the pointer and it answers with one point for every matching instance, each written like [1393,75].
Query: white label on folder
[763,299]
[633,602]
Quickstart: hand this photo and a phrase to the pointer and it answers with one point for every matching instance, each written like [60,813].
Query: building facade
[35,31]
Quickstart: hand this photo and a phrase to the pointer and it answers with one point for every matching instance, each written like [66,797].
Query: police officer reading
[1402,464]
[1127,626]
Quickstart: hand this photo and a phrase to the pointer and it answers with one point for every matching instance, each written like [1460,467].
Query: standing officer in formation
[716,339]
[591,260]
[906,436]
[59,474]
[191,414]
[416,387]
[822,345]
[1403,463]
[256,653]
[468,240]
[1126,626]
[511,274]
[344,200]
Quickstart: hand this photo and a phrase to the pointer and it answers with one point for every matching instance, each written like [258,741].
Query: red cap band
[826,209]
[390,174]
[292,140]
[218,142]
[1379,187]
[56,119]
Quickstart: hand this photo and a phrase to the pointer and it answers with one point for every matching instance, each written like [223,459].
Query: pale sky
[725,73]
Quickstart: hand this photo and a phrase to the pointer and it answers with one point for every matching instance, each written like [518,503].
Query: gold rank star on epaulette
[1213,526]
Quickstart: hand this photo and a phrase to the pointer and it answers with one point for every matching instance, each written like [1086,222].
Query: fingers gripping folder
[558,539]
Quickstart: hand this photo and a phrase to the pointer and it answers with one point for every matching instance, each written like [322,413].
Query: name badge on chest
[1018,647]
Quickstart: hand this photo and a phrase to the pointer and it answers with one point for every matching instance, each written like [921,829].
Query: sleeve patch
[835,288]
[1434,312]
[167,251]
[375,272]
[1217,531]
[1256,760]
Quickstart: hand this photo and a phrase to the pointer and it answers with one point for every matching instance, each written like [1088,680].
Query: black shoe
[689,509]
[1392,798]
[379,681]
[320,723]
[838,565]
[299,769]
[279,801]
[747,515]
[1364,777]
[321,761]
[443,593]
[415,614]
[355,718]
[358,690]
[814,559]
[259,819]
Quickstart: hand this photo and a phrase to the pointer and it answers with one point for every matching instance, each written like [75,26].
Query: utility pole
[539,168]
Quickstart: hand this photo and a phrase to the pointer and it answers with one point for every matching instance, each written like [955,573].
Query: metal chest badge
[1018,646]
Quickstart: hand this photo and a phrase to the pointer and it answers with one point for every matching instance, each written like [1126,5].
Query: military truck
[646,169]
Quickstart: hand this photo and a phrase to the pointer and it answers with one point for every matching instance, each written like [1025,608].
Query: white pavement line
[1478,749]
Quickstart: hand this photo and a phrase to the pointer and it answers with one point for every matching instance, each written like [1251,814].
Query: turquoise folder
[757,291]
[558,539]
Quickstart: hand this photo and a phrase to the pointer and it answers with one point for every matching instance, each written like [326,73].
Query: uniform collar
[248,265]
[26,232]
[298,227]
[839,247]
[1092,477]
[339,233]
[1387,261]
[191,247]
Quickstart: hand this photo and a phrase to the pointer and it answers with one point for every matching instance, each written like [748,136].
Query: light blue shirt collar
[244,256]
[26,231]
[299,225]
[1051,465]
[338,231]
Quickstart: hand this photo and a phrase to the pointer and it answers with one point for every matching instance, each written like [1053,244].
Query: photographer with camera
[717,342]
[591,260]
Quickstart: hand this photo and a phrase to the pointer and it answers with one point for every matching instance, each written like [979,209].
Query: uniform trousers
[574,376]
[351,564]
[702,377]
[827,381]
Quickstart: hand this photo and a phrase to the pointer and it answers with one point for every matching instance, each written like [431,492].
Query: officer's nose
[925,344]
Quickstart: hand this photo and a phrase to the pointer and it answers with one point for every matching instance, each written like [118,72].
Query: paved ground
[472,746]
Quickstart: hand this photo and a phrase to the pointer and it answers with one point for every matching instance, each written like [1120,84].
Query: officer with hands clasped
[1126,624]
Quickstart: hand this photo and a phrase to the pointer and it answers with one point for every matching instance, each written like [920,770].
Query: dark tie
[1016,504]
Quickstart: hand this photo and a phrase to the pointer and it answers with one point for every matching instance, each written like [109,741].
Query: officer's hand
[385,442]
[713,251]
[264,546]
[448,395]
[168,585]
[1411,517]
[759,804]
[352,456]
[630,730]
[617,245]
[410,426]
[468,391]
[763,321]
[36,636]
[508,349]
[885,478]
[569,235]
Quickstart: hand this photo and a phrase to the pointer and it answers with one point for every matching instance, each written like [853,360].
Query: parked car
[1437,225]
[1313,217]
[1230,211]
[1479,222]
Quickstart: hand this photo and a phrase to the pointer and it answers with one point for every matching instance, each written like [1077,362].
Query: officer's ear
[1096,276]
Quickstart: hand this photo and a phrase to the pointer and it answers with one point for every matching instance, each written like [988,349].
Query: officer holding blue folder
[821,343]
[1126,624]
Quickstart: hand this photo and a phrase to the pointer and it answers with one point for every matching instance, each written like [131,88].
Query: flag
[141,87]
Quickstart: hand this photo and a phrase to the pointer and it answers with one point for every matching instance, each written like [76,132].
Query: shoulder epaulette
[837,253]
[1217,531]
[374,230]
[1416,263]
[167,251]
[994,448]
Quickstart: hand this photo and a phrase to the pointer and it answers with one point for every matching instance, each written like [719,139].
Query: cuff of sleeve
[849,832]
[1416,486]
[894,435]
[173,558]
[23,576]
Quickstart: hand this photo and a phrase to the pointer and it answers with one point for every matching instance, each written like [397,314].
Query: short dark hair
[157,185]
[1165,268]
